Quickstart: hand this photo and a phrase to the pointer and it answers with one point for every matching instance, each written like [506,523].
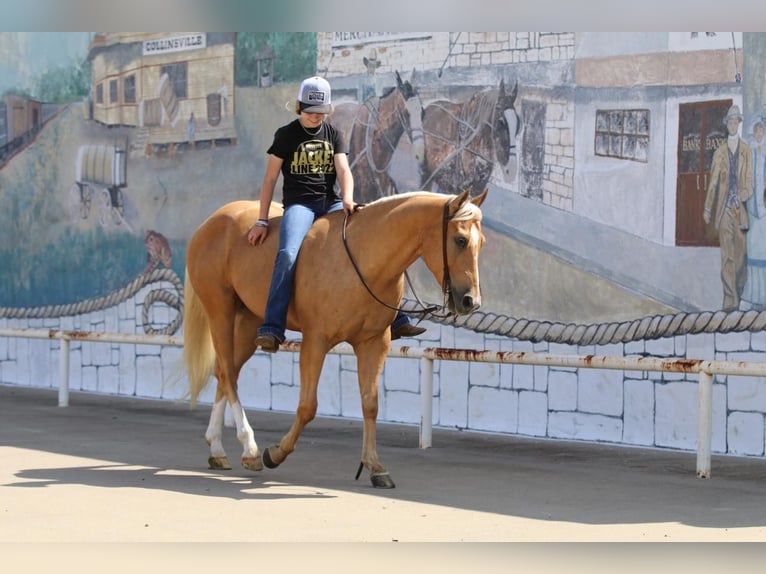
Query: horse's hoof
[267,461]
[382,480]
[218,463]
[252,462]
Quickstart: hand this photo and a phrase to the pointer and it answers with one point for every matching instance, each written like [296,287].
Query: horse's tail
[199,355]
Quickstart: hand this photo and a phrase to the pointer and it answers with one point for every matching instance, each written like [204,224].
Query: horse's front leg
[371,356]
[311,360]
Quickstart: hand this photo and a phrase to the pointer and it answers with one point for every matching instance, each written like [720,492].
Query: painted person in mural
[731,185]
[191,130]
[754,294]
[312,156]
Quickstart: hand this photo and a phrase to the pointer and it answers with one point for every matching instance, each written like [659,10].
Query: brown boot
[407,330]
[267,342]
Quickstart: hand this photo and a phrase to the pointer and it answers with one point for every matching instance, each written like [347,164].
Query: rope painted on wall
[644,328]
[173,299]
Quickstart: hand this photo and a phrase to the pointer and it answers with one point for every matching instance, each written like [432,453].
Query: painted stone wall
[646,409]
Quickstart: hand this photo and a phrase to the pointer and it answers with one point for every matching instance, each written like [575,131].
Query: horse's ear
[398,80]
[457,202]
[514,92]
[479,199]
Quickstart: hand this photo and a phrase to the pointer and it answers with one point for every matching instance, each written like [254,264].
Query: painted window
[623,134]
[177,74]
[129,89]
[114,96]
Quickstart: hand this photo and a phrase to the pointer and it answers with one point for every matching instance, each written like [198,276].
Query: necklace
[315,133]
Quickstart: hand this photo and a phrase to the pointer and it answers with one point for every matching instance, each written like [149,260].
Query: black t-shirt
[308,166]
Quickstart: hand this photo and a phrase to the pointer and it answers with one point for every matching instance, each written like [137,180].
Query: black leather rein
[446,285]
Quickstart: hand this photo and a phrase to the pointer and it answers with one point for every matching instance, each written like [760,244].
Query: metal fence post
[705,430]
[64,371]
[427,400]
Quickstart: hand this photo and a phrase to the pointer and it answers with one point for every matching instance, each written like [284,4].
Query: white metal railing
[427,355]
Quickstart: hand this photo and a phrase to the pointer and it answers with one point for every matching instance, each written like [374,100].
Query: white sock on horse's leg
[214,432]
[245,433]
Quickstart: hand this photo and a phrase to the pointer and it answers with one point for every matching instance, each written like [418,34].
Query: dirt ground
[120,470]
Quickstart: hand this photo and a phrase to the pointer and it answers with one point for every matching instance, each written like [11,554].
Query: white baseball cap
[314,96]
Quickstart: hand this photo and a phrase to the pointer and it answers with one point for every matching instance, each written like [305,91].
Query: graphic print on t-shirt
[313,157]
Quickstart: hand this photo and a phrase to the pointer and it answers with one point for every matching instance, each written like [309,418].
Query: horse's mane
[466,212]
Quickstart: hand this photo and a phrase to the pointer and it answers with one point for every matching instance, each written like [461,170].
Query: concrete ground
[115,469]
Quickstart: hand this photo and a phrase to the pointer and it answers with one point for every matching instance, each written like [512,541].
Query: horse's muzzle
[462,305]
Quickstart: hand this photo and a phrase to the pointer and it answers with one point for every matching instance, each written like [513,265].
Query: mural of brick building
[603,120]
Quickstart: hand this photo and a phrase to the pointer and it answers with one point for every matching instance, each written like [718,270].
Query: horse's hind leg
[251,458]
[214,434]
[228,363]
[245,327]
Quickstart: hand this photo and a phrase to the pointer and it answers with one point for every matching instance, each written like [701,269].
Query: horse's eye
[461,241]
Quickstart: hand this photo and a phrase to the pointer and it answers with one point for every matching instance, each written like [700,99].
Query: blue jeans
[297,219]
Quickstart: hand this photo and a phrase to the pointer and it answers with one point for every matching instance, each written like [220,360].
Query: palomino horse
[227,282]
[463,140]
[373,130]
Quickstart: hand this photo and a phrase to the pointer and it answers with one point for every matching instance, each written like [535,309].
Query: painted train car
[20,119]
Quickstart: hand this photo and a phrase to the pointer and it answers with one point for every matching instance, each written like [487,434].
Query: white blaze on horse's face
[414,111]
[512,120]
[465,240]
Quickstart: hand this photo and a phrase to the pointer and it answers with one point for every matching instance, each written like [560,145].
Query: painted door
[700,131]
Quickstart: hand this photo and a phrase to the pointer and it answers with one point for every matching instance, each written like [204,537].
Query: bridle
[446,282]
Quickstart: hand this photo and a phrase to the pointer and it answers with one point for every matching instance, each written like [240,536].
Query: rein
[446,284]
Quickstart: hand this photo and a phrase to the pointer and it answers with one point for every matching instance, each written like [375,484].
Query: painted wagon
[100,176]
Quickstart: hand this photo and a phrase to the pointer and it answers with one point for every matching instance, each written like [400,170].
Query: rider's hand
[257,234]
[349,207]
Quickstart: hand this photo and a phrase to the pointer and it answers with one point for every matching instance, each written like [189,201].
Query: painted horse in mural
[349,280]
[462,141]
[373,130]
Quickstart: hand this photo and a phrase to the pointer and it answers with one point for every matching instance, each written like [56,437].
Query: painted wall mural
[597,150]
